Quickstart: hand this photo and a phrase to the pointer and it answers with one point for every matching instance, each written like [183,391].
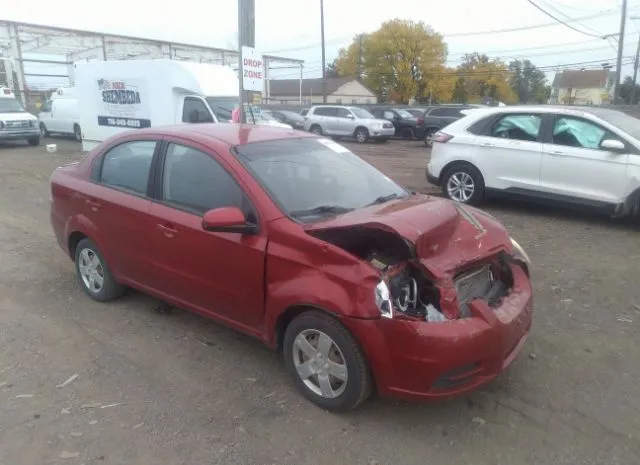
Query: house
[340,90]
[583,87]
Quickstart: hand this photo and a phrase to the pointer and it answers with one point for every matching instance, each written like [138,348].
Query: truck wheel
[34,140]
[43,130]
[326,363]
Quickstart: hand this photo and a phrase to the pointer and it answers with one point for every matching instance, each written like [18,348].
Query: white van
[61,115]
[130,94]
[15,122]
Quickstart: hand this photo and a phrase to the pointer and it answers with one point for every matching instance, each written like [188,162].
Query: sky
[291,28]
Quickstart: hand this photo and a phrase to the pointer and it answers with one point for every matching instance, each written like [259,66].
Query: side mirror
[227,219]
[612,145]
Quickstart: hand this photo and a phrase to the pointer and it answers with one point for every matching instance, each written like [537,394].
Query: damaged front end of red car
[454,295]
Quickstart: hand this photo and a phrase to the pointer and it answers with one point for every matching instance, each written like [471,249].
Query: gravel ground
[172,388]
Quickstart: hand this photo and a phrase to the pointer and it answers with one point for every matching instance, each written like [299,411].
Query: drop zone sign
[252,70]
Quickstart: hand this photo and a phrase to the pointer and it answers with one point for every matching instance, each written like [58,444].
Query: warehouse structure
[34,53]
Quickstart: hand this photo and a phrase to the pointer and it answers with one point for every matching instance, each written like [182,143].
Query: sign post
[250,66]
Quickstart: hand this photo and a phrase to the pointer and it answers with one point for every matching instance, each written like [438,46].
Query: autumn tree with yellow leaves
[481,76]
[396,61]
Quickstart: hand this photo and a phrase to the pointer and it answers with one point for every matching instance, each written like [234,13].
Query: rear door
[509,151]
[221,274]
[575,166]
[117,202]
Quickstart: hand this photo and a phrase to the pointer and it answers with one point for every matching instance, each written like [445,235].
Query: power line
[460,34]
[569,18]
[565,23]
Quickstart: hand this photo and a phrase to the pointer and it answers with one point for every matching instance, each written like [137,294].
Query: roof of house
[588,78]
[309,86]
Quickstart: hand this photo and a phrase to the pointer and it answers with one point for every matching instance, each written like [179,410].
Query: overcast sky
[291,28]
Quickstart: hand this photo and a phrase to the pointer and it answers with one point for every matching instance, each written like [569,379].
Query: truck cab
[16,123]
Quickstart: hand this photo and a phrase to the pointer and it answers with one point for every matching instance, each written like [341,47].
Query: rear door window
[517,127]
[126,166]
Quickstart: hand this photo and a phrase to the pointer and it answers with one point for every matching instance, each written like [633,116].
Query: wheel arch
[456,163]
[289,314]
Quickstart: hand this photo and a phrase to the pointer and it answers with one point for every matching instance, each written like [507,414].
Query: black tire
[361,135]
[110,289]
[43,130]
[316,129]
[77,133]
[34,140]
[459,170]
[359,384]
[428,136]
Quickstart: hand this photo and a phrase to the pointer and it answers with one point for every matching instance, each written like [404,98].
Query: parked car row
[581,157]
[364,123]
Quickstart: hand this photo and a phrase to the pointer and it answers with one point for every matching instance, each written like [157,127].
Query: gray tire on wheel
[428,136]
[109,289]
[361,135]
[467,175]
[316,129]
[353,383]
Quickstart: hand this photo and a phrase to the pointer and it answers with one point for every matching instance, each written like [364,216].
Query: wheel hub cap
[91,270]
[460,187]
[320,363]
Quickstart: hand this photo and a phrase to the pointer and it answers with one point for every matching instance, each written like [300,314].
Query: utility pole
[623,18]
[324,64]
[247,37]
[635,67]
[360,37]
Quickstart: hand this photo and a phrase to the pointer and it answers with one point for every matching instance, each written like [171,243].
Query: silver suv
[337,121]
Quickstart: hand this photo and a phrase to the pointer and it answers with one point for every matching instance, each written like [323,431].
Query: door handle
[93,204]
[487,144]
[167,229]
[558,152]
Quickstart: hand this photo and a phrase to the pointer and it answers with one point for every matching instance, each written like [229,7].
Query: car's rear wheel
[316,129]
[408,134]
[463,183]
[361,135]
[93,273]
[326,363]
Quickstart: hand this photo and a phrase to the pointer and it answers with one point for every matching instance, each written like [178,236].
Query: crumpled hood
[442,234]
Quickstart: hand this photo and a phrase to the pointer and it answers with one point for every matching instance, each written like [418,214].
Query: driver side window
[577,132]
[195,111]
[46,108]
[344,113]
[387,114]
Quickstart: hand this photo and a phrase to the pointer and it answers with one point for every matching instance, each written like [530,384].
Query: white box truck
[117,95]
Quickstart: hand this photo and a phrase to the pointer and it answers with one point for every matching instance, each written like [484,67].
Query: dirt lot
[173,388]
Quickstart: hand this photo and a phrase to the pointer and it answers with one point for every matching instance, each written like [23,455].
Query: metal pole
[300,85]
[635,74]
[240,67]
[623,18]
[247,37]
[324,64]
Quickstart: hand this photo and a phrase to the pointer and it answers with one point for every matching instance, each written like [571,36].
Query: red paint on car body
[249,282]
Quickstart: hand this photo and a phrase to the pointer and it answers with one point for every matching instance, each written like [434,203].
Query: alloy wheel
[460,187]
[91,270]
[320,363]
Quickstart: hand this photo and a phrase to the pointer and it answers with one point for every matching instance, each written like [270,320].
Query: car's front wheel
[316,129]
[93,273]
[361,135]
[33,141]
[463,183]
[326,363]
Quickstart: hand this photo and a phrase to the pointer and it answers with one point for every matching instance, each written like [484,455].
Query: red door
[117,205]
[216,273]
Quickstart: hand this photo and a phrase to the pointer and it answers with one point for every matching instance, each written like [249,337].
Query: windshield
[361,114]
[223,106]
[11,105]
[304,174]
[404,113]
[627,123]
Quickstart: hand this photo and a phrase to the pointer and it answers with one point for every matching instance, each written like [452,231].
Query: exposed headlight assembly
[383,300]
[519,254]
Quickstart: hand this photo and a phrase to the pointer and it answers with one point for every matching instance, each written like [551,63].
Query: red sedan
[294,240]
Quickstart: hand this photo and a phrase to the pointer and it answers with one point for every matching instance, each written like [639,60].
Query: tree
[528,82]
[332,69]
[626,89]
[485,77]
[396,60]
[459,93]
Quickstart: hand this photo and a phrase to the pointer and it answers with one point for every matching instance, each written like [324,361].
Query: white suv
[337,121]
[588,157]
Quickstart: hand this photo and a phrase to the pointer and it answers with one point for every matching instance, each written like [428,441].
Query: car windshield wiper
[383,199]
[321,210]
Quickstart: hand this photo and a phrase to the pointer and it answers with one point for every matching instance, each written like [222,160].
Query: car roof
[228,133]
[596,111]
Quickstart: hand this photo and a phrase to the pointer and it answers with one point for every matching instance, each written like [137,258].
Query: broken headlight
[383,300]
[519,254]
